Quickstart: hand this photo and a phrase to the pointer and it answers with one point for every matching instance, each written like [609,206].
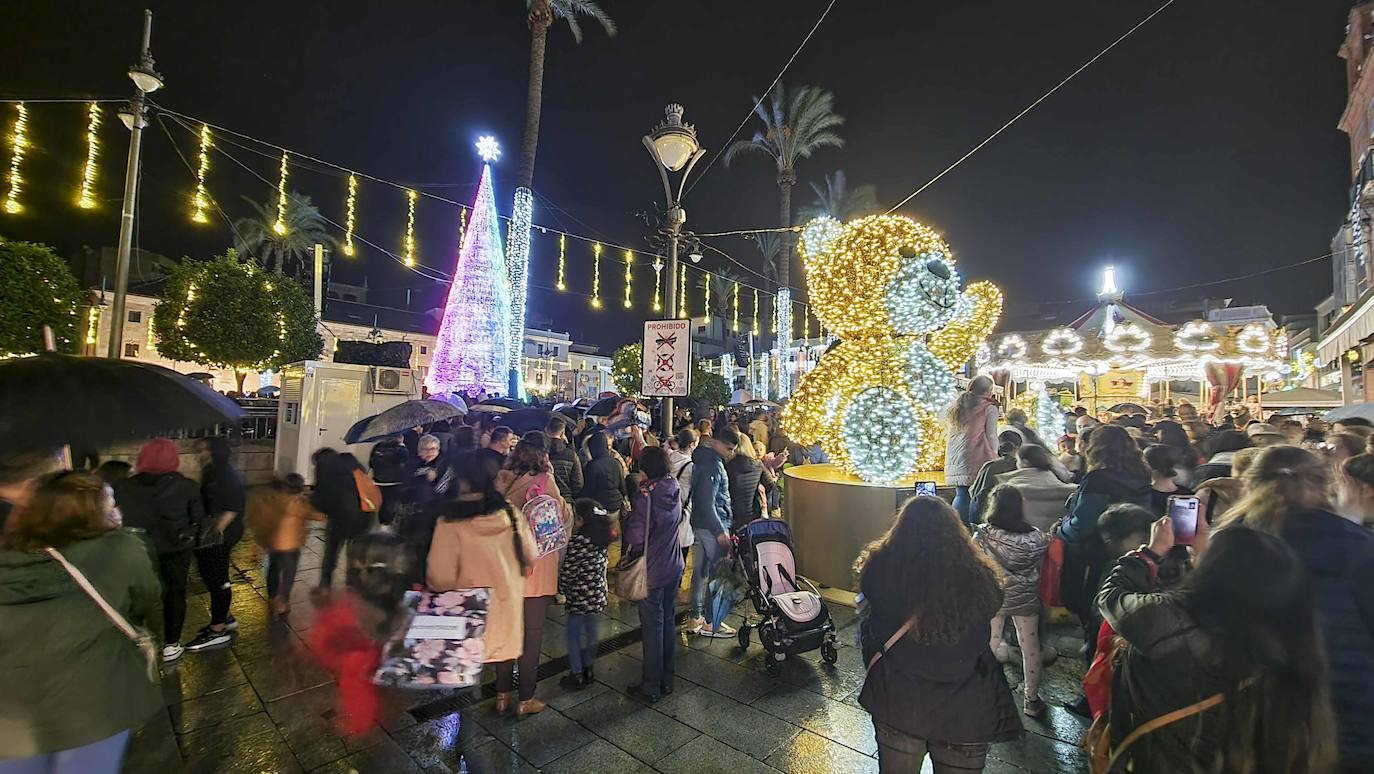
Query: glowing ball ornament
[1253,339]
[1196,336]
[1062,342]
[888,288]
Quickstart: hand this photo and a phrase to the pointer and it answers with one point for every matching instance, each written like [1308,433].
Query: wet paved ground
[263,705]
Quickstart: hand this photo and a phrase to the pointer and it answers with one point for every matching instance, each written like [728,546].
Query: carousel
[1118,354]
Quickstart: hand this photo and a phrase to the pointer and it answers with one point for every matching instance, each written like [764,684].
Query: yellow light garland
[736,304]
[409,243]
[85,195]
[658,282]
[682,292]
[280,226]
[755,329]
[350,214]
[596,275]
[19,145]
[629,278]
[706,296]
[462,226]
[200,200]
[562,261]
[92,325]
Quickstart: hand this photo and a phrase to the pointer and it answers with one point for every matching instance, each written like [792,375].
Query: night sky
[1202,147]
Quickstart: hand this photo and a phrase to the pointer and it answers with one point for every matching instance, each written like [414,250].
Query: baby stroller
[794,617]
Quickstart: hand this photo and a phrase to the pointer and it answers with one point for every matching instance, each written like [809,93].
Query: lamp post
[674,147]
[135,116]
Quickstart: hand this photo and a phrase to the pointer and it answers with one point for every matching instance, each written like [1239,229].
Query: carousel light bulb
[408,244]
[350,214]
[19,146]
[85,196]
[280,226]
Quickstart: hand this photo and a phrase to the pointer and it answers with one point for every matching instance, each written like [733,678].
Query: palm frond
[569,10]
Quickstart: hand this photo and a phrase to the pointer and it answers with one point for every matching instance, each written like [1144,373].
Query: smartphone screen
[925,489]
[1183,516]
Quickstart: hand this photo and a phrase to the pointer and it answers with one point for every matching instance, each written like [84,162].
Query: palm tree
[284,252]
[839,201]
[541,16]
[794,127]
[770,245]
[722,293]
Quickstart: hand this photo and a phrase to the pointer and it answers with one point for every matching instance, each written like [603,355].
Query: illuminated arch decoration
[1196,336]
[1062,342]
[1253,339]
[1127,337]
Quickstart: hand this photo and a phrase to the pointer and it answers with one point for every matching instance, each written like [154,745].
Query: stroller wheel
[743,636]
[829,653]
[772,664]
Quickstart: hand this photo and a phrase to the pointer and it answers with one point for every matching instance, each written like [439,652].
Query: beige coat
[543,582]
[480,553]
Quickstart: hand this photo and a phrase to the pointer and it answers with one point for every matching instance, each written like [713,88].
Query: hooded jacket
[657,499]
[744,474]
[567,468]
[167,506]
[711,509]
[1100,490]
[70,677]
[1043,493]
[604,481]
[1020,555]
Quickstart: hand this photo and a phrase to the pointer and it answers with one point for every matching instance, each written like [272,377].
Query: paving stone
[704,755]
[1038,753]
[493,757]
[384,757]
[600,755]
[153,747]
[831,719]
[740,684]
[250,746]
[274,643]
[440,743]
[538,739]
[814,754]
[306,720]
[821,678]
[197,674]
[286,671]
[738,725]
[633,727]
[561,698]
[214,708]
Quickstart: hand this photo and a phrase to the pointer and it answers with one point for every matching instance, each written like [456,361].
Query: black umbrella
[1128,408]
[50,400]
[571,412]
[510,403]
[524,420]
[400,418]
[603,407]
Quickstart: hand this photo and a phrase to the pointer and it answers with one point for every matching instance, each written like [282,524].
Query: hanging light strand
[409,243]
[19,145]
[755,329]
[658,284]
[350,214]
[562,261]
[682,292]
[736,304]
[280,226]
[629,277]
[85,196]
[596,275]
[706,296]
[462,226]
[200,200]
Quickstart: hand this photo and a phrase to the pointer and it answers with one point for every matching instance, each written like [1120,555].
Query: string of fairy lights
[212,140]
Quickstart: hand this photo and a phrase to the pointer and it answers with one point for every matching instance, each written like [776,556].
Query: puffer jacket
[658,498]
[744,474]
[168,507]
[70,677]
[711,509]
[972,446]
[1044,495]
[605,482]
[567,468]
[1100,490]
[1019,554]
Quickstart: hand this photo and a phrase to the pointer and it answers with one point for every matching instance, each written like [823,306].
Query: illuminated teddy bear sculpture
[886,285]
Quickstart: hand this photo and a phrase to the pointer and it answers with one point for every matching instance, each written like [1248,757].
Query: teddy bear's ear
[817,236]
[955,343]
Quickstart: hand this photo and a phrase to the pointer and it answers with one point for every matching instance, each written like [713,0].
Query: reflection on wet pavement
[264,705]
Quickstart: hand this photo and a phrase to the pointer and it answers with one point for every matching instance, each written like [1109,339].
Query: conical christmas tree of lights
[472,352]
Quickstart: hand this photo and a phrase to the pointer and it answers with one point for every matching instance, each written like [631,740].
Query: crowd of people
[1249,647]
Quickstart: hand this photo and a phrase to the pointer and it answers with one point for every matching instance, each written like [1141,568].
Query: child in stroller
[794,618]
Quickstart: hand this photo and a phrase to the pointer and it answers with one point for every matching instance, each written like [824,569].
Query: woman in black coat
[933,685]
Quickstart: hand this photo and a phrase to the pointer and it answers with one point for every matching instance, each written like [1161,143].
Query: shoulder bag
[1098,743]
[140,638]
[632,577]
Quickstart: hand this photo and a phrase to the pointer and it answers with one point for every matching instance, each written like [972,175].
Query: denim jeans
[708,553]
[581,631]
[102,757]
[901,753]
[281,573]
[659,637]
[963,503]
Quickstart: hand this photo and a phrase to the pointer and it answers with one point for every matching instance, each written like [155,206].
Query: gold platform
[833,515]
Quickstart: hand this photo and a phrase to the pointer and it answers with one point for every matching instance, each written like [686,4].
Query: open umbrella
[527,419]
[1353,411]
[489,409]
[1128,408]
[400,418]
[603,407]
[510,403]
[50,400]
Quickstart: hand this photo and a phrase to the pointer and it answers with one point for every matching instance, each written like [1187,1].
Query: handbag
[141,639]
[1051,573]
[632,577]
[1098,741]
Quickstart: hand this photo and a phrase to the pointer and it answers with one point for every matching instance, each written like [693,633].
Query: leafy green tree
[228,314]
[627,369]
[839,201]
[37,288]
[541,14]
[293,251]
[794,127]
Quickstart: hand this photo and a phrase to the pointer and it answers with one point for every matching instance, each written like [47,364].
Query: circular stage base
[833,515]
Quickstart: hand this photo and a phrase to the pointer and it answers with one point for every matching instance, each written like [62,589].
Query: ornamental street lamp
[674,147]
[134,116]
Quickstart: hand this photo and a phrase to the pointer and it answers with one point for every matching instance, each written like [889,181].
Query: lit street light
[674,147]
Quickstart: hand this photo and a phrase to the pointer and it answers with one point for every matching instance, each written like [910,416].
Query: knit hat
[157,457]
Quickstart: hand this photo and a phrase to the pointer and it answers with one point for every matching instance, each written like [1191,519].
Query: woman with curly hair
[1288,494]
[933,686]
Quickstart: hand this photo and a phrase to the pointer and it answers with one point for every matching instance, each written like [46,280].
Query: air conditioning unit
[392,381]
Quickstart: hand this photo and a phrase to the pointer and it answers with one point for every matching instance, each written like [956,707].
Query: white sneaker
[724,632]
[172,652]
[696,625]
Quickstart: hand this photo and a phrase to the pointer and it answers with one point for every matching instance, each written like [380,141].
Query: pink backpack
[544,516]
